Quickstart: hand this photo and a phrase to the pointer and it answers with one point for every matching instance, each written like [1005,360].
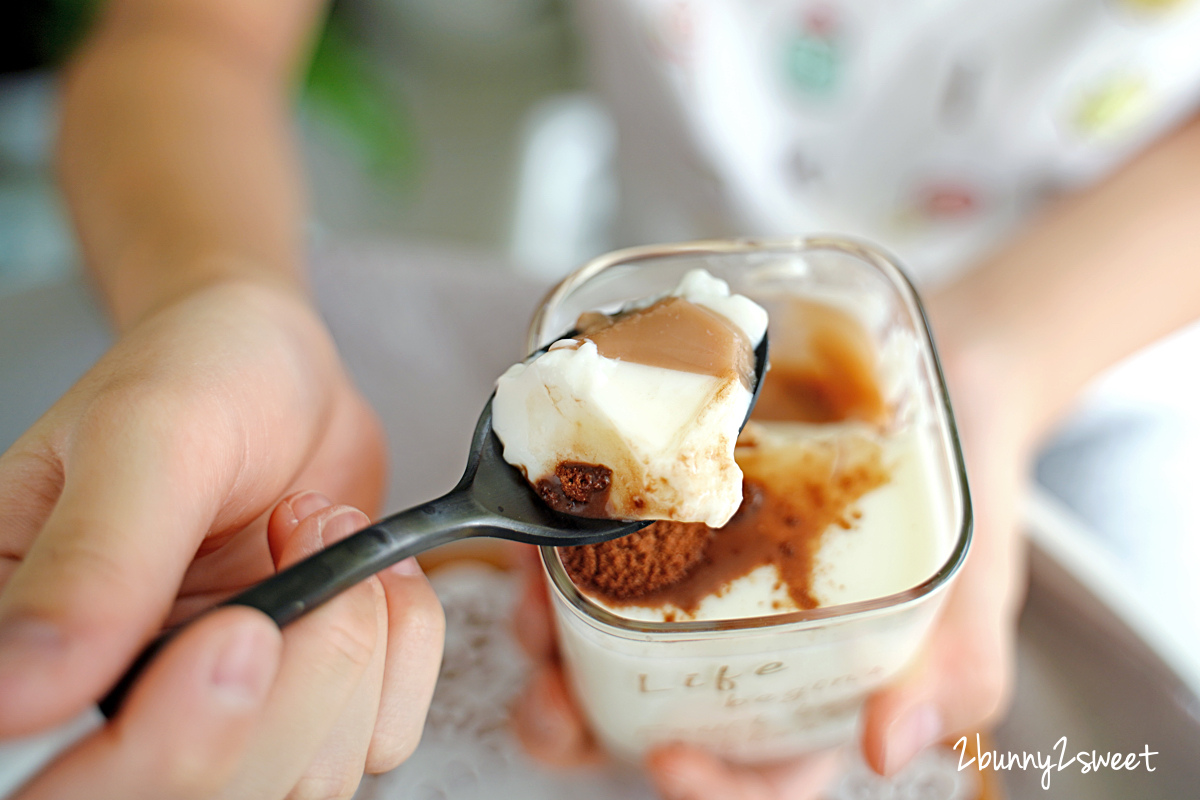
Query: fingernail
[245,667]
[24,638]
[308,503]
[408,567]
[341,524]
[912,733]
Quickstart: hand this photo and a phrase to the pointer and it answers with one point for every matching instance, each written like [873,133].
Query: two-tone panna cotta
[838,503]
[761,638]
[636,415]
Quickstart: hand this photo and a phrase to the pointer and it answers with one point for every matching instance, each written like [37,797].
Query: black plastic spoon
[491,499]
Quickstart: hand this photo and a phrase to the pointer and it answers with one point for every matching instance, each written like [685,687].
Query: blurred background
[466,125]
[454,122]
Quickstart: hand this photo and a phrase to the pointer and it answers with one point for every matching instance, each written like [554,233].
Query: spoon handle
[288,595]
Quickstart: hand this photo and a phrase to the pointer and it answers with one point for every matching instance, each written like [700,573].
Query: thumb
[182,733]
[953,689]
[100,576]
[963,679]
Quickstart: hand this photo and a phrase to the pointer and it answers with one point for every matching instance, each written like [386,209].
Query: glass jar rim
[612,623]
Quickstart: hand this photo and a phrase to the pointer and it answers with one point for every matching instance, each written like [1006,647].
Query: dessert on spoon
[630,418]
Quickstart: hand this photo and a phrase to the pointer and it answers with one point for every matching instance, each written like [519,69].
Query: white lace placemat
[468,752]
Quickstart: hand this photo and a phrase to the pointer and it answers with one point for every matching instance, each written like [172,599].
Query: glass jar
[765,687]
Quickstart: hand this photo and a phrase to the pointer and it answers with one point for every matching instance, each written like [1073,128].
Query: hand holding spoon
[491,499]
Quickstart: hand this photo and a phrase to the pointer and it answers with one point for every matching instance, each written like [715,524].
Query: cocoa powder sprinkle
[654,558]
[824,373]
[789,499]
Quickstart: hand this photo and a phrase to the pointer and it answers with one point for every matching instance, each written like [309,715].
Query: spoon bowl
[491,499]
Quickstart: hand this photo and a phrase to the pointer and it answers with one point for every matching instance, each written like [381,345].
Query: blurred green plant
[344,87]
[66,25]
[41,33]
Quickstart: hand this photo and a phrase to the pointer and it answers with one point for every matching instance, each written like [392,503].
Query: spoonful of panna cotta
[631,418]
[636,415]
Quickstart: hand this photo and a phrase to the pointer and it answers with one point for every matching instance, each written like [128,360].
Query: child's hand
[553,730]
[141,498]
[960,683]
[963,680]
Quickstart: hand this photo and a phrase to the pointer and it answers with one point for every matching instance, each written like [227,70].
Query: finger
[99,578]
[964,679]
[681,772]
[337,767]
[31,478]
[240,561]
[352,435]
[805,778]
[181,733]
[545,717]
[415,627]
[547,722]
[326,655]
[533,624]
[526,557]
[415,633]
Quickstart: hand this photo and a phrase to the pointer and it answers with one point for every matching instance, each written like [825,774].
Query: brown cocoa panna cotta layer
[671,333]
[824,373]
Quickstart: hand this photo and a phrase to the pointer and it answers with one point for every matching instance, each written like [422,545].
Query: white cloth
[933,127]
[424,333]
[930,127]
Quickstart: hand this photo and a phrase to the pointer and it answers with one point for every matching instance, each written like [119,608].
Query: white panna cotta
[865,523]
[761,639]
[636,417]
[842,497]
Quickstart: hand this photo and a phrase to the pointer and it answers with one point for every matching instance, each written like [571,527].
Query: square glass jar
[760,688]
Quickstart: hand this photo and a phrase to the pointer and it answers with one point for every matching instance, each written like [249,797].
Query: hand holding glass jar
[766,660]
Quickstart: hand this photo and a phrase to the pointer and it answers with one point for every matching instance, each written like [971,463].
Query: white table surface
[425,331]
